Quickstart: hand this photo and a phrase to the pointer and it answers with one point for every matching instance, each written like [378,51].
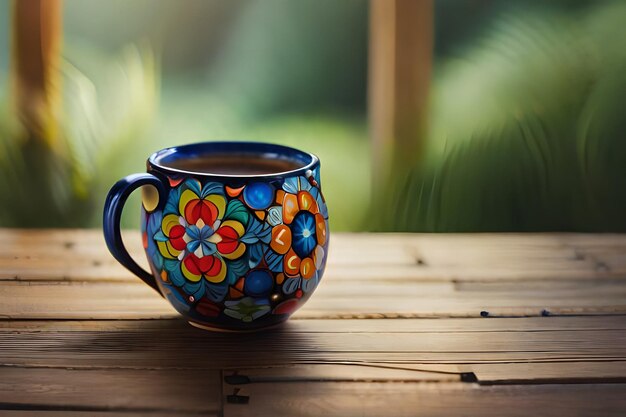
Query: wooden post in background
[35,75]
[400,62]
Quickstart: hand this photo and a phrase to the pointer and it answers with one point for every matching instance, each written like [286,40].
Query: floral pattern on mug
[243,252]
[304,225]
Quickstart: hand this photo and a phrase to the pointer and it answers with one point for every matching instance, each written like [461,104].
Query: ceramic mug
[228,251]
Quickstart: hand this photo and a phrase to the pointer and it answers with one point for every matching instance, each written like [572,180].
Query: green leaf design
[212,188]
[237,211]
[236,269]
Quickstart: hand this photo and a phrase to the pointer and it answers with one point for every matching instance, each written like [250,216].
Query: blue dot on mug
[258,195]
[304,235]
[258,283]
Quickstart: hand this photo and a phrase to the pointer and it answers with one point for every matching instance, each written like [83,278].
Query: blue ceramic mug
[236,233]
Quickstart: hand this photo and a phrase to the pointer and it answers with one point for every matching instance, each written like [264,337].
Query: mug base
[225,330]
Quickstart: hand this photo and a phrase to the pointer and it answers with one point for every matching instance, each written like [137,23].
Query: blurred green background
[526,120]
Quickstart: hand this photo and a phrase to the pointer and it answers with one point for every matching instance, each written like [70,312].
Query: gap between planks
[298,325]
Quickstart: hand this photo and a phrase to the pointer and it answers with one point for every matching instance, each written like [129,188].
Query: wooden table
[402,325]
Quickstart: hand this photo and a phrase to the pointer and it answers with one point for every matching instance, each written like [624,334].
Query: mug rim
[266,149]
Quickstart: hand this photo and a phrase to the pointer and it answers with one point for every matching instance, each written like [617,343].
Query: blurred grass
[527,129]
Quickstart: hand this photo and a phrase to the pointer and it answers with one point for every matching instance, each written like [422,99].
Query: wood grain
[56,274]
[426,399]
[402,324]
[82,255]
[548,373]
[334,299]
[117,390]
[73,413]
[413,326]
[335,373]
[173,344]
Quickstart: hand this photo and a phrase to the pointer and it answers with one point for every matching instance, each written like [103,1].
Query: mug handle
[111,221]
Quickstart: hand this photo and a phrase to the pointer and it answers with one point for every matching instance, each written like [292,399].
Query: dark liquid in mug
[229,164]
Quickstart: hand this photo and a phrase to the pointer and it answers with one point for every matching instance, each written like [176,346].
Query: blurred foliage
[527,130]
[526,125]
[59,186]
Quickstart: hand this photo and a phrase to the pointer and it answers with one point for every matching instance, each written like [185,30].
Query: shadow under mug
[229,251]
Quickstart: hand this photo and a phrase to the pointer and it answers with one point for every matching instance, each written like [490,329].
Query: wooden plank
[42,255]
[335,361]
[520,256]
[148,391]
[334,373]
[81,255]
[515,373]
[189,391]
[67,413]
[63,255]
[90,239]
[113,300]
[469,272]
[423,399]
[411,289]
[84,301]
[133,390]
[548,373]
[170,344]
[413,326]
